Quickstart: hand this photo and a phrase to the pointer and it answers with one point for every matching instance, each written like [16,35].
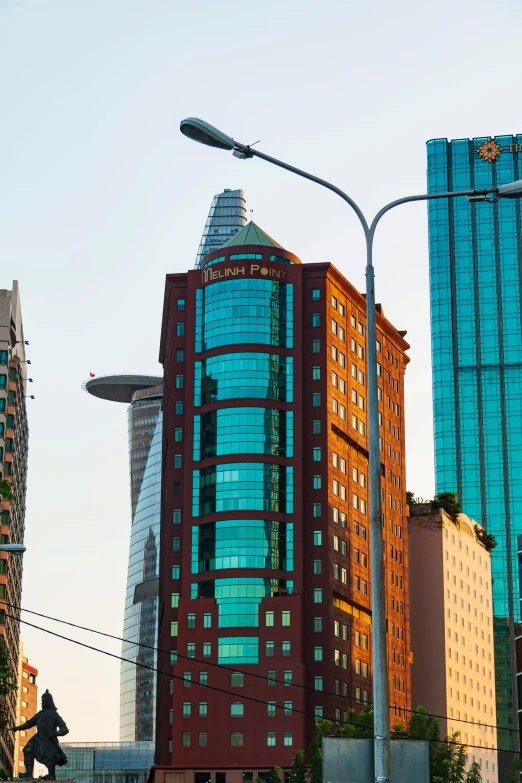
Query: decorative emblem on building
[490,150]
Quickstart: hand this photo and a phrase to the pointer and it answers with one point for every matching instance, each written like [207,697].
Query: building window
[236,739]
[191,621]
[318,683]
[318,653]
[178,434]
[191,650]
[176,516]
[316,454]
[317,482]
[185,739]
[271,709]
[237,709]
[316,427]
[316,294]
[207,620]
[178,460]
[318,711]
[287,738]
[285,617]
[180,329]
[179,407]
[202,739]
[203,709]
[175,572]
[174,628]
[287,678]
[181,304]
[271,739]
[287,712]
[269,649]
[316,399]
[317,510]
[285,649]
[207,649]
[316,373]
[187,679]
[318,567]
[180,355]
[316,346]
[269,619]
[318,624]
[187,709]
[179,381]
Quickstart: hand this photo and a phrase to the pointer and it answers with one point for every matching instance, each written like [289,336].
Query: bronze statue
[44,746]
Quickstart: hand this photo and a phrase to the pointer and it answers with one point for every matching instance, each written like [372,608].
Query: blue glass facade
[258,312]
[475,264]
[243,486]
[138,684]
[242,543]
[244,375]
[107,762]
[244,311]
[238,649]
[244,431]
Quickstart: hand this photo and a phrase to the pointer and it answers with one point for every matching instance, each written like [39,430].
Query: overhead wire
[402,735]
[206,662]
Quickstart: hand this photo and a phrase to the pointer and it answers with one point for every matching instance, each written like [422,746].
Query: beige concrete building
[451,618]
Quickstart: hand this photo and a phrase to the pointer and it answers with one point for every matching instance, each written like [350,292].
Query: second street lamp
[200,131]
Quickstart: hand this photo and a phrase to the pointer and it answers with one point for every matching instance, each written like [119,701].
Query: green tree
[8,685]
[358,724]
[513,773]
[323,728]
[449,502]
[298,770]
[474,774]
[447,757]
[6,493]
[487,540]
[410,498]
[274,775]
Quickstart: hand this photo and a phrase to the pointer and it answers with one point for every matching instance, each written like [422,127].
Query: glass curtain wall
[227,217]
[475,267]
[138,685]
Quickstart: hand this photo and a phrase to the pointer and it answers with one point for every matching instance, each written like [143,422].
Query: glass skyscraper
[137,683]
[475,272]
[226,218]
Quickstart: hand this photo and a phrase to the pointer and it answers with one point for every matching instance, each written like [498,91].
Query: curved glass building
[138,684]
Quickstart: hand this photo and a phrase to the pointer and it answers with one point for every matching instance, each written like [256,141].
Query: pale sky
[101,196]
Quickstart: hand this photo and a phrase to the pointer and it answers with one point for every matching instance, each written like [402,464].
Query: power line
[171,675]
[250,674]
[236,695]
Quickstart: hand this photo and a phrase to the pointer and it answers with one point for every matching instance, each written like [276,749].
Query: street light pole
[200,131]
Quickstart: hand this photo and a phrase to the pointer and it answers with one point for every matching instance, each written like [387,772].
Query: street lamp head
[511,190]
[15,549]
[199,130]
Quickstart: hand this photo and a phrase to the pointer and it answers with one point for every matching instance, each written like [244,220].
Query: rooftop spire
[251,234]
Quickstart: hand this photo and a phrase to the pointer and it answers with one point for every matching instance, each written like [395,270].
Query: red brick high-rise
[264,564]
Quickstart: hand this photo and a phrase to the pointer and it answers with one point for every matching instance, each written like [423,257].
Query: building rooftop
[251,234]
[120,388]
